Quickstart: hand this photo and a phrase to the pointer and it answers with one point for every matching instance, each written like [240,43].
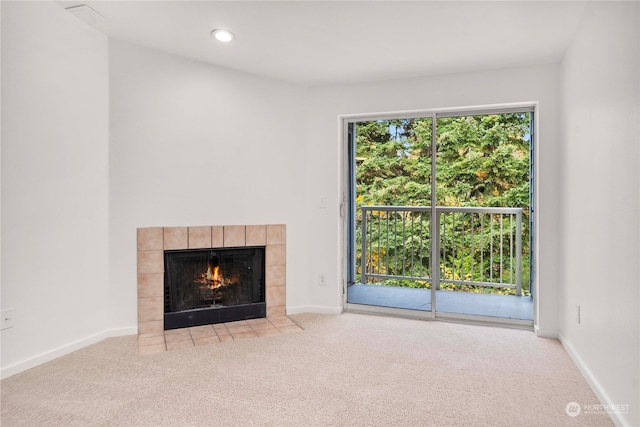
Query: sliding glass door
[440,208]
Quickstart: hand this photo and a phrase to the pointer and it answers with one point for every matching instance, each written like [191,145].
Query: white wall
[193,144]
[600,208]
[539,84]
[54,183]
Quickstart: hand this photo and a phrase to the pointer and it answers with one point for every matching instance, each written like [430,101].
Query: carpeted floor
[350,369]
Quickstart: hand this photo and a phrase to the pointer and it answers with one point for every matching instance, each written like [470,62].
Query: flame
[213,275]
[217,277]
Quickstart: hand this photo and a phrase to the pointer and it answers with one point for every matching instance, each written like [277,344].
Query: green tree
[481,161]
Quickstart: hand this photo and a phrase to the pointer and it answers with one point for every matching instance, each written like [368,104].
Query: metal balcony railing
[474,245]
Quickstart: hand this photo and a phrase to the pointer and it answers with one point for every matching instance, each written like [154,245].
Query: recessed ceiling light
[222,35]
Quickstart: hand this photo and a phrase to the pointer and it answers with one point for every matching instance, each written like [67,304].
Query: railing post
[363,253]
[435,258]
[519,253]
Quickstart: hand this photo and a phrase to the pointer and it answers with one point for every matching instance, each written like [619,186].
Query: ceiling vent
[90,17]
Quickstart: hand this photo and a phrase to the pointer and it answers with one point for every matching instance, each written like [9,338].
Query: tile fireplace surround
[153,241]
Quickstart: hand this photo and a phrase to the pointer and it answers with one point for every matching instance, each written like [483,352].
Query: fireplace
[216,285]
[154,242]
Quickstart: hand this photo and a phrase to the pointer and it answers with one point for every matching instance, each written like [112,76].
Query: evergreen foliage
[481,161]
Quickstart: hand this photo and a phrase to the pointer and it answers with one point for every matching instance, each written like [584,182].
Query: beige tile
[151,327]
[151,334]
[150,309]
[202,332]
[285,329]
[276,234]
[239,328]
[150,262]
[201,328]
[244,335]
[151,349]
[150,339]
[276,295]
[256,235]
[150,285]
[268,332]
[179,345]
[276,255]
[234,236]
[279,310]
[221,329]
[199,237]
[150,239]
[183,335]
[257,321]
[262,326]
[280,321]
[206,341]
[275,275]
[217,236]
[225,338]
[176,238]
[235,323]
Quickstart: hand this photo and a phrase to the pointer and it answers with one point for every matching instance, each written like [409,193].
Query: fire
[213,277]
[215,274]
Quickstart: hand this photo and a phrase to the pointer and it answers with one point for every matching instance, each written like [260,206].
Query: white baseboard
[48,356]
[597,389]
[123,332]
[545,333]
[313,309]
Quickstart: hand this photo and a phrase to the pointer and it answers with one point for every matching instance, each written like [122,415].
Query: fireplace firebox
[215,285]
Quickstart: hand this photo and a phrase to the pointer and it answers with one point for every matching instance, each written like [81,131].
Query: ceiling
[334,42]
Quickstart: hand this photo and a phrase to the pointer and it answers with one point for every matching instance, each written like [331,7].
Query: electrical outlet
[578,314]
[6,321]
[322,280]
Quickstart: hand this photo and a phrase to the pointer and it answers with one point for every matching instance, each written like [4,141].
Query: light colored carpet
[350,369]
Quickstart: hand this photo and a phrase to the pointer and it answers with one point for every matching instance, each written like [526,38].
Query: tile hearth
[177,339]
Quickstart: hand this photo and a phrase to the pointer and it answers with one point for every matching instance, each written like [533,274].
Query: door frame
[347,207]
